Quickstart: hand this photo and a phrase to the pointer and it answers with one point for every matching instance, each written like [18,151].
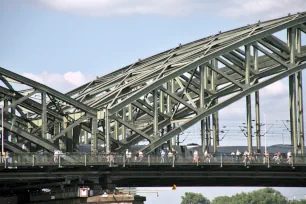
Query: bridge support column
[62,140]
[155,114]
[69,139]
[208,133]
[56,130]
[169,108]
[13,114]
[123,128]
[130,116]
[215,116]
[248,98]
[94,139]
[107,131]
[116,128]
[300,98]
[44,115]
[203,85]
[257,106]
[76,138]
[5,132]
[292,89]
[84,136]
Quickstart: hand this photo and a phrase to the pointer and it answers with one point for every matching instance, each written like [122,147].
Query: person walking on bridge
[266,157]
[289,157]
[238,154]
[128,156]
[245,156]
[233,156]
[170,156]
[140,155]
[162,154]
[195,156]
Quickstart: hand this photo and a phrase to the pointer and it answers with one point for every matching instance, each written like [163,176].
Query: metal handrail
[114,160]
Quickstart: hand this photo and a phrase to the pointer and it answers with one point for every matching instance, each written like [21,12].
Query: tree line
[261,196]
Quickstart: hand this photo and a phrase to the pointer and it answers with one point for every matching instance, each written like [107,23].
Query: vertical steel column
[161,101]
[215,125]
[13,114]
[248,98]
[107,130]
[176,140]
[300,97]
[116,128]
[292,89]
[56,130]
[130,112]
[202,104]
[155,114]
[62,140]
[257,106]
[208,118]
[169,110]
[69,139]
[123,128]
[85,137]
[208,133]
[44,115]
[94,130]
[130,116]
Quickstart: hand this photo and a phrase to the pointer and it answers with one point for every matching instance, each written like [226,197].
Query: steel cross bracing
[188,83]
[40,117]
[156,98]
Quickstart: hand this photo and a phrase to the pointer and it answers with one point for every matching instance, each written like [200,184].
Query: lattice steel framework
[156,98]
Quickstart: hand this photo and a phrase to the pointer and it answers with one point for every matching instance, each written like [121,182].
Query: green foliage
[194,198]
[222,200]
[261,196]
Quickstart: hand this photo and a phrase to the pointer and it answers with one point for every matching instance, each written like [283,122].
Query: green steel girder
[13,147]
[74,124]
[204,59]
[49,90]
[37,140]
[221,105]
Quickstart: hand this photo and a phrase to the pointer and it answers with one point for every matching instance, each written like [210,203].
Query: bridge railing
[84,159]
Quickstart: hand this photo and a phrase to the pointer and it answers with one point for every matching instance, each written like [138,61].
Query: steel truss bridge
[157,98]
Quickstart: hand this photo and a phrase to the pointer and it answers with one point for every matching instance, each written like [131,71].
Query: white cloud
[122,7]
[75,78]
[261,8]
[60,82]
[232,8]
[278,88]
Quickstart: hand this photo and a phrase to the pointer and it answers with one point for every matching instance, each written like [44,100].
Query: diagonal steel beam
[49,90]
[229,78]
[142,134]
[74,124]
[178,99]
[37,140]
[232,67]
[20,100]
[185,91]
[280,61]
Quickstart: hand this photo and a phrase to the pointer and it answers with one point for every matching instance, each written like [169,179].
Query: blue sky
[64,43]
